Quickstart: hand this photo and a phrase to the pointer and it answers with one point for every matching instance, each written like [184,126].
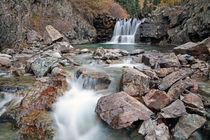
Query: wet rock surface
[120,110]
[187,125]
[134,82]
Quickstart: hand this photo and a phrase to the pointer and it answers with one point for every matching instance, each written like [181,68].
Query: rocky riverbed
[140,92]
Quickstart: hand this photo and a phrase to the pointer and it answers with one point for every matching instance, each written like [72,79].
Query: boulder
[173,77]
[169,60]
[163,72]
[179,87]
[156,99]
[5,61]
[52,35]
[174,110]
[194,49]
[187,125]
[193,100]
[41,66]
[120,110]
[94,80]
[134,82]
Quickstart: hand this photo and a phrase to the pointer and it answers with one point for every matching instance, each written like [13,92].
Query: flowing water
[74,112]
[125,31]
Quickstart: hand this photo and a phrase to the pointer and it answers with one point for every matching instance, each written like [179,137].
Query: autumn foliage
[92,8]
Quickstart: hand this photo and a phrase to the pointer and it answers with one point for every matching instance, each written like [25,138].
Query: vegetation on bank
[90,9]
[135,7]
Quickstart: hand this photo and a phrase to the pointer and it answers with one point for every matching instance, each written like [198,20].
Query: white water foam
[125,31]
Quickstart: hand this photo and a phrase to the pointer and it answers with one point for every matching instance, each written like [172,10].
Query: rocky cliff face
[177,25]
[17,17]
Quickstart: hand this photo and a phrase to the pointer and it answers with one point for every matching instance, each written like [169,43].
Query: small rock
[134,82]
[163,72]
[187,125]
[85,51]
[151,59]
[120,110]
[33,36]
[63,47]
[174,110]
[136,52]
[172,78]
[161,132]
[148,72]
[156,99]
[147,127]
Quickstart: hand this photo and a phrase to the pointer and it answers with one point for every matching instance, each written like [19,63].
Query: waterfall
[125,31]
[74,114]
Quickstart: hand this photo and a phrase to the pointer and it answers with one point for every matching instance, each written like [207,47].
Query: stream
[74,112]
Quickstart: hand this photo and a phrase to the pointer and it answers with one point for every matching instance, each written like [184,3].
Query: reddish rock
[163,72]
[193,100]
[170,79]
[134,82]
[120,110]
[156,99]
[177,89]
[170,60]
[174,110]
[148,72]
[187,125]
[194,49]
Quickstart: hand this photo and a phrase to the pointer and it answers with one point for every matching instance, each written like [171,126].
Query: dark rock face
[187,125]
[120,110]
[38,14]
[177,25]
[134,82]
[104,28]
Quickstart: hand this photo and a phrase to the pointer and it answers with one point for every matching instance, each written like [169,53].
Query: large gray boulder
[120,110]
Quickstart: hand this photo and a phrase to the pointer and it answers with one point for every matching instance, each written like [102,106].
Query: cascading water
[125,31]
